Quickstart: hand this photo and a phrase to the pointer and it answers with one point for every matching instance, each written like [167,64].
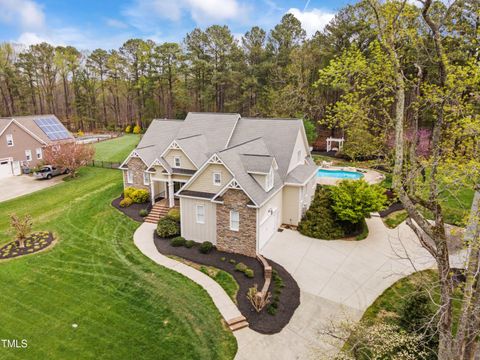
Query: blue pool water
[339,174]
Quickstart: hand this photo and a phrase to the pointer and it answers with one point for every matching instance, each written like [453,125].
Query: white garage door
[5,168]
[267,228]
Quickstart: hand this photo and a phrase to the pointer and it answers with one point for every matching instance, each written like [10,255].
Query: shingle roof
[29,123]
[301,174]
[256,163]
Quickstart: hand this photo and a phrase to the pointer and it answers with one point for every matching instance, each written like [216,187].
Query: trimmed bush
[206,247]
[189,244]
[174,214]
[143,212]
[167,228]
[128,192]
[241,267]
[137,129]
[232,261]
[126,202]
[128,129]
[320,221]
[222,258]
[140,196]
[249,273]
[178,241]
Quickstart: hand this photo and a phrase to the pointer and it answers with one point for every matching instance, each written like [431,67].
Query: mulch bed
[262,322]
[133,211]
[33,243]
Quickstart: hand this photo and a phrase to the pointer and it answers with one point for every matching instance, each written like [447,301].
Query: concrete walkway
[338,280]
[143,239]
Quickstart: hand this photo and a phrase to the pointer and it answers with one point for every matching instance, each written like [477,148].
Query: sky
[107,24]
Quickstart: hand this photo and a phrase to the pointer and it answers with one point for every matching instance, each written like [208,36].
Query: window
[176,161]
[146,178]
[200,214]
[269,180]
[39,153]
[28,155]
[9,140]
[129,176]
[217,179]
[234,220]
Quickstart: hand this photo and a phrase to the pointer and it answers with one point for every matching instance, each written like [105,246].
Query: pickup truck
[48,171]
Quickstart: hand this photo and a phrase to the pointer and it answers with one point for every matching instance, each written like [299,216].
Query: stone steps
[237,323]
[158,211]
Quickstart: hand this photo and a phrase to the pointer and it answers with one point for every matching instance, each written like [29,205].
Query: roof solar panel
[53,128]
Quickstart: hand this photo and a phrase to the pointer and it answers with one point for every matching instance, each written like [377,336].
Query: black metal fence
[104,164]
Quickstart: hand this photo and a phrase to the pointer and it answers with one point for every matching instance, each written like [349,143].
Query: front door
[177,186]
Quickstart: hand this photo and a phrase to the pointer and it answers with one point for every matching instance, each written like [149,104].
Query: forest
[276,73]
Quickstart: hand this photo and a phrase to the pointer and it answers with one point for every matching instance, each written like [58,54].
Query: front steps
[159,210]
[237,323]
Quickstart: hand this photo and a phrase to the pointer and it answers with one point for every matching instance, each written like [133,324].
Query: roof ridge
[259,155]
[243,143]
[167,119]
[263,118]
[213,112]
[188,137]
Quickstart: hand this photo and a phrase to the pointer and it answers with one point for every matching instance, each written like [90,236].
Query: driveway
[338,280]
[14,186]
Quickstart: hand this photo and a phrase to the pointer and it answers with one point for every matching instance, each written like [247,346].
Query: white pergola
[339,141]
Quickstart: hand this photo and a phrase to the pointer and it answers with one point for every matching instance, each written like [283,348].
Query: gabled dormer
[261,168]
[177,158]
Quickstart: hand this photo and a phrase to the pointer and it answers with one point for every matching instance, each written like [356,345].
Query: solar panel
[53,128]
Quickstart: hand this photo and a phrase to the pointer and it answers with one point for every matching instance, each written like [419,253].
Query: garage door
[5,168]
[268,228]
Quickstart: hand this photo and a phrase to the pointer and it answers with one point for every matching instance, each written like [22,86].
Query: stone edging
[143,240]
[267,271]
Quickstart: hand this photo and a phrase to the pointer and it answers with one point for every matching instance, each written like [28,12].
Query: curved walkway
[338,280]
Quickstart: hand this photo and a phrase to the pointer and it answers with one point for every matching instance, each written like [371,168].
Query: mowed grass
[126,306]
[116,150]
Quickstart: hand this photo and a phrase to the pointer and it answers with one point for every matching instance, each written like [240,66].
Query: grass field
[116,150]
[125,306]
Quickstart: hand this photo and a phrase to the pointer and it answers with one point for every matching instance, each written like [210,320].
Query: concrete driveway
[338,280]
[14,186]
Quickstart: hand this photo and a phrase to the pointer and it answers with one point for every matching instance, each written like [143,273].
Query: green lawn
[116,150]
[125,306]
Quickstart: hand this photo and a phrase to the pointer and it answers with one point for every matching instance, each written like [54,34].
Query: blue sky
[88,24]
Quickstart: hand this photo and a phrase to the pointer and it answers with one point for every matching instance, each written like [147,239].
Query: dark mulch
[133,211]
[397,206]
[33,243]
[262,322]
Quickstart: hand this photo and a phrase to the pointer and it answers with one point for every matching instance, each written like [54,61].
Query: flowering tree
[69,156]
[21,227]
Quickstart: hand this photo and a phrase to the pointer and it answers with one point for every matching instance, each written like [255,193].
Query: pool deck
[370,176]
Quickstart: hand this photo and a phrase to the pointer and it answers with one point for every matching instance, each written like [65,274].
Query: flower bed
[286,299]
[33,243]
[132,211]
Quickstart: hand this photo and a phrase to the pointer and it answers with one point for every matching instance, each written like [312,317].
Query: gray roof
[29,123]
[278,134]
[245,145]
[301,174]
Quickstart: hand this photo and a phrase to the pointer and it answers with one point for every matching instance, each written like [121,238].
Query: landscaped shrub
[232,261]
[143,212]
[138,196]
[178,241]
[249,273]
[189,244]
[320,221]
[126,202]
[137,129]
[174,214]
[167,228]
[21,227]
[206,247]
[241,267]
[354,200]
[128,129]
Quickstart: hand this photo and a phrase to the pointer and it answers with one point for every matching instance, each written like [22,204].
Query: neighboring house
[237,179]
[23,138]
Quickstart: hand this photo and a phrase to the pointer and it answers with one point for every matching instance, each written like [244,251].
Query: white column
[171,192]
[152,191]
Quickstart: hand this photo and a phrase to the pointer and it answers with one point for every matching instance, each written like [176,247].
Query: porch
[163,192]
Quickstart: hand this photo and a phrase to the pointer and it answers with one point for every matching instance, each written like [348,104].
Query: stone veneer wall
[137,167]
[243,241]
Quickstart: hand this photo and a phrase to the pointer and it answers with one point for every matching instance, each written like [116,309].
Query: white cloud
[115,23]
[27,13]
[312,20]
[144,13]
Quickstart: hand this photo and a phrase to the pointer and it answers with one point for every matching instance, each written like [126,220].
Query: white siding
[291,205]
[274,202]
[301,146]
[198,232]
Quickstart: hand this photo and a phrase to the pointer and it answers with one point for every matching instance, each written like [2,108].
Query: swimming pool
[339,174]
